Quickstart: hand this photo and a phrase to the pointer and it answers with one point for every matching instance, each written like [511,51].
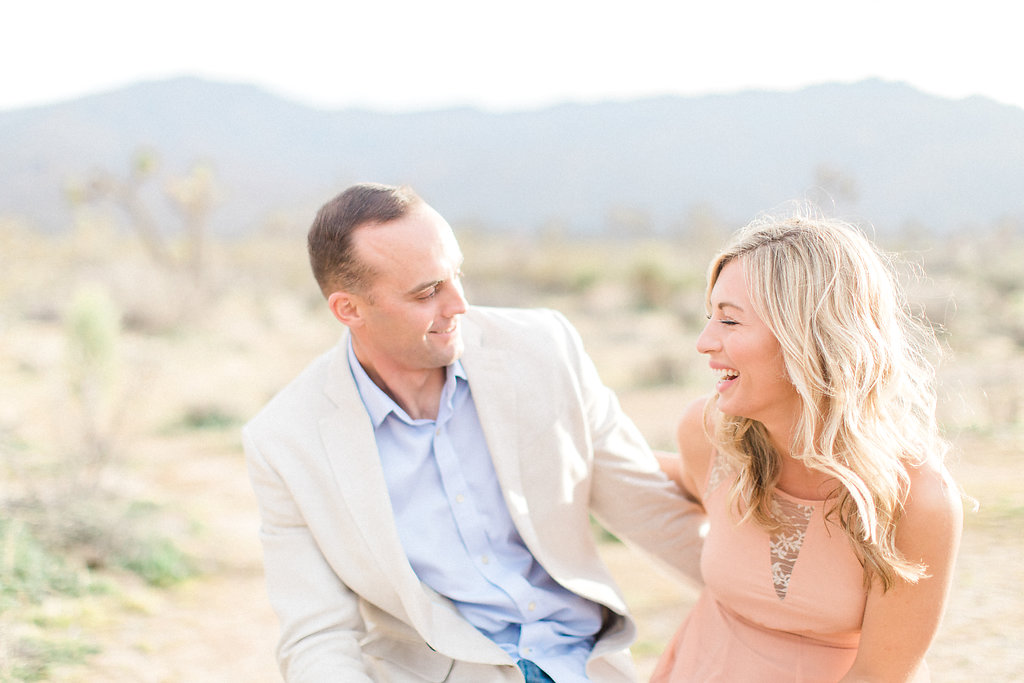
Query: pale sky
[400,55]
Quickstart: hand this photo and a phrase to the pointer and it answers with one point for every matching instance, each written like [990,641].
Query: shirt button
[485,559]
[532,606]
[460,498]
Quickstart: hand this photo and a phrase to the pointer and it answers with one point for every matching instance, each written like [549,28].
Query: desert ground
[128,531]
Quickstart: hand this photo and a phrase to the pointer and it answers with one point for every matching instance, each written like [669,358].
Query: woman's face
[753,382]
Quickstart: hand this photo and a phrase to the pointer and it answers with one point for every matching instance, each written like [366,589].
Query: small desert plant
[652,285]
[208,416]
[29,570]
[157,560]
[32,659]
[93,327]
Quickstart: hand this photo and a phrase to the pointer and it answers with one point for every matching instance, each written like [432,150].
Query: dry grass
[194,360]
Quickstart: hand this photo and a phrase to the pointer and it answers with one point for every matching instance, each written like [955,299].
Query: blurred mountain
[882,152]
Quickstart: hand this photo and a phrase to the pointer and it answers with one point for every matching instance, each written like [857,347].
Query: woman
[833,523]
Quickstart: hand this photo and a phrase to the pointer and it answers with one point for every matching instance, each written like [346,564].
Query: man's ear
[345,308]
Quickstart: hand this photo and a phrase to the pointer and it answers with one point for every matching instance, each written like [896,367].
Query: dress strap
[718,472]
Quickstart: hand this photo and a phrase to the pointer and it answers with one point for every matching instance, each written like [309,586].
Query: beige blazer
[350,606]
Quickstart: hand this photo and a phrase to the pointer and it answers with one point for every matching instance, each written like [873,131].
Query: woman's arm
[899,624]
[671,465]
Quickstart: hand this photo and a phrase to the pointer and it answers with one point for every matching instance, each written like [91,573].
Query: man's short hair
[331,250]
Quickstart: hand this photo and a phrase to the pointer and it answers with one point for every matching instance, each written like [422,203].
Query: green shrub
[33,658]
[158,561]
[28,570]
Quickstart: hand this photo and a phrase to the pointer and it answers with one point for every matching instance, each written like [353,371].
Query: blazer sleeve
[630,495]
[320,621]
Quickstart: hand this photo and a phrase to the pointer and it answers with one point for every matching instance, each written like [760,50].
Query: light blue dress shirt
[458,534]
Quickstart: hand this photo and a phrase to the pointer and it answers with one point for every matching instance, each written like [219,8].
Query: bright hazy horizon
[409,55]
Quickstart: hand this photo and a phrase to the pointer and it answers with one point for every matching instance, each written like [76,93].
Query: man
[425,486]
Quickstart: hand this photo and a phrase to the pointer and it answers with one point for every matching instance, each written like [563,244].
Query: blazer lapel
[355,466]
[496,395]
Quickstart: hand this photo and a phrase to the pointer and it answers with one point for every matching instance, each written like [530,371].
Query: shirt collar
[379,405]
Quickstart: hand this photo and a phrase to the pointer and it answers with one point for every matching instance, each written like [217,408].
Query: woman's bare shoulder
[695,447]
[934,496]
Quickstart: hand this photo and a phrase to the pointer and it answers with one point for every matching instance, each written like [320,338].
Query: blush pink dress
[785,606]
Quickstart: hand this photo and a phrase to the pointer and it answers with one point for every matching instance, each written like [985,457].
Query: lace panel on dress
[785,543]
[719,469]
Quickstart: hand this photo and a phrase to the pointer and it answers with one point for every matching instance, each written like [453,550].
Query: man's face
[411,313]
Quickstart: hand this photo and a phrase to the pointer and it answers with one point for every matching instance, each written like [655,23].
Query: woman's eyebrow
[728,304]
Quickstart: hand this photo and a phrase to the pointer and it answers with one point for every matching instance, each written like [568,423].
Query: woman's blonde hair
[858,359]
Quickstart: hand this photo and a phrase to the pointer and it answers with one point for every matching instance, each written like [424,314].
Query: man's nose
[456,303]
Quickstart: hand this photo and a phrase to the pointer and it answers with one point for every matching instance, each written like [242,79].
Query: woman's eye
[722,321]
